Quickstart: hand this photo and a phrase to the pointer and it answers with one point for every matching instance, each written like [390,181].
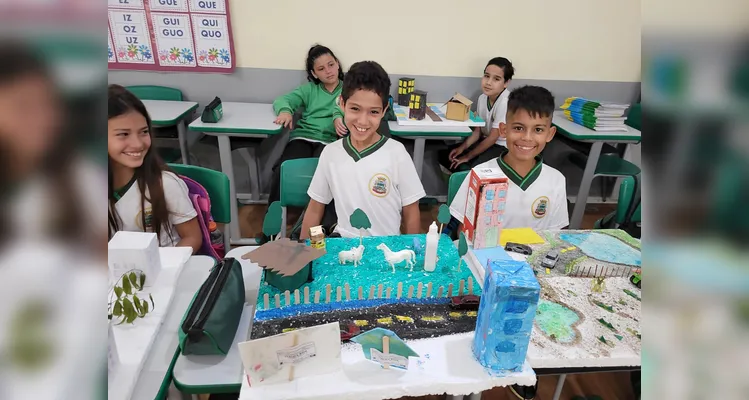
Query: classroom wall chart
[170,35]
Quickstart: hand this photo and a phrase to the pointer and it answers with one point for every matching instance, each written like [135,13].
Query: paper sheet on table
[520,235]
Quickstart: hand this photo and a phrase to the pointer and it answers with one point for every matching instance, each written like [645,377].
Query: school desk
[420,134]
[166,113]
[155,375]
[246,120]
[597,139]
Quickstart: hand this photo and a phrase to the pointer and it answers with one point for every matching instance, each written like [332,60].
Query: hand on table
[285,119]
[340,128]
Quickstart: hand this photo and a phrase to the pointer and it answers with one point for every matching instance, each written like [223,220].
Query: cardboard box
[134,250]
[458,108]
[485,206]
[417,105]
[317,237]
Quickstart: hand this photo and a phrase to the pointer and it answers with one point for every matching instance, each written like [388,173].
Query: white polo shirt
[494,115]
[538,201]
[178,203]
[380,180]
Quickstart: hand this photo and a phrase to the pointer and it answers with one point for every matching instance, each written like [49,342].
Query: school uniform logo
[149,221]
[379,185]
[540,206]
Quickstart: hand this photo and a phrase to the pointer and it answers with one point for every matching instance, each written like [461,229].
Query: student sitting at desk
[322,120]
[485,143]
[143,195]
[537,195]
[365,170]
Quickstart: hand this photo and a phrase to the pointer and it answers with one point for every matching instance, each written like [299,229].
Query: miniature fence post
[389,291]
[278,300]
[306,295]
[371,292]
[361,296]
[400,290]
[266,300]
[296,296]
[429,289]
[419,290]
[439,292]
[348,292]
[450,290]
[287,295]
[317,296]
[460,287]
[327,293]
[470,285]
[338,294]
[386,350]
[294,342]
[379,291]
[410,291]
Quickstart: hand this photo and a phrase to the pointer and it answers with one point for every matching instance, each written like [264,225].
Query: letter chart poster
[170,35]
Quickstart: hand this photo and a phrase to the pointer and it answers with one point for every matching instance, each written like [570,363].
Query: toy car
[467,302]
[550,259]
[636,279]
[518,248]
[352,331]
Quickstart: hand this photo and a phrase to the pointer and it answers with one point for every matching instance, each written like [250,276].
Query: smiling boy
[365,169]
[537,195]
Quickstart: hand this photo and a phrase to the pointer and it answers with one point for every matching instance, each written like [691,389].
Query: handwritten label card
[131,37]
[212,40]
[208,6]
[169,5]
[394,360]
[296,354]
[135,4]
[174,39]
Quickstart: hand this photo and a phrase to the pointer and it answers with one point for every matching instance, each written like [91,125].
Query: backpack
[202,204]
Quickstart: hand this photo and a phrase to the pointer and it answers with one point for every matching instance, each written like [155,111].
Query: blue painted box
[505,316]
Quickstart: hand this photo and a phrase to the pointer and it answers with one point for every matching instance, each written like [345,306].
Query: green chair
[296,176]
[217,185]
[628,212]
[456,179]
[151,92]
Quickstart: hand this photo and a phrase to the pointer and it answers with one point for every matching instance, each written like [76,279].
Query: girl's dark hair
[507,69]
[312,55]
[148,175]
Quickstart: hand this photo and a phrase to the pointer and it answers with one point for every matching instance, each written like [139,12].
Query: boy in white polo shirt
[537,195]
[364,169]
[485,143]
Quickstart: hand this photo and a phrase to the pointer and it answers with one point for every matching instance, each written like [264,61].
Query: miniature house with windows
[417,105]
[458,108]
[287,264]
[505,317]
[405,87]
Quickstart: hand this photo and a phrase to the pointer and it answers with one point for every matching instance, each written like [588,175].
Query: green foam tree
[462,248]
[443,216]
[273,220]
[360,220]
[124,302]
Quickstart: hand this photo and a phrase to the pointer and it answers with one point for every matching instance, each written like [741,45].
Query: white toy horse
[354,255]
[396,258]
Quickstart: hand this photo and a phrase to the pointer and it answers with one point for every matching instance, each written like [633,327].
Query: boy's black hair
[503,63]
[536,100]
[366,75]
[312,55]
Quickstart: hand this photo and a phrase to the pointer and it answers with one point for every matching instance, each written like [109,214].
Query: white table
[421,133]
[154,377]
[597,139]
[247,120]
[165,113]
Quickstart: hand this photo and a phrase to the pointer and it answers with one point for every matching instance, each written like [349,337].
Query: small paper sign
[296,354]
[394,360]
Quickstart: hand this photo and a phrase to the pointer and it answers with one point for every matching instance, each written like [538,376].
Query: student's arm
[470,140]
[312,217]
[190,235]
[285,106]
[411,218]
[484,145]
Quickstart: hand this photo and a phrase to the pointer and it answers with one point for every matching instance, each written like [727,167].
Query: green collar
[356,155]
[528,180]
[489,104]
[336,90]
[118,193]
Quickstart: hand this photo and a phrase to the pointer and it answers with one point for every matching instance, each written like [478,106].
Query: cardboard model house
[458,108]
[405,87]
[287,263]
[417,105]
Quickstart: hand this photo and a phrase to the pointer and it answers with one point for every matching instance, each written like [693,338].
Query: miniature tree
[273,220]
[124,302]
[462,248]
[443,216]
[359,220]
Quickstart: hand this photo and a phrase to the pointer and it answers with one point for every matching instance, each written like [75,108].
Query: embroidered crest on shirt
[540,207]
[149,227]
[379,185]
